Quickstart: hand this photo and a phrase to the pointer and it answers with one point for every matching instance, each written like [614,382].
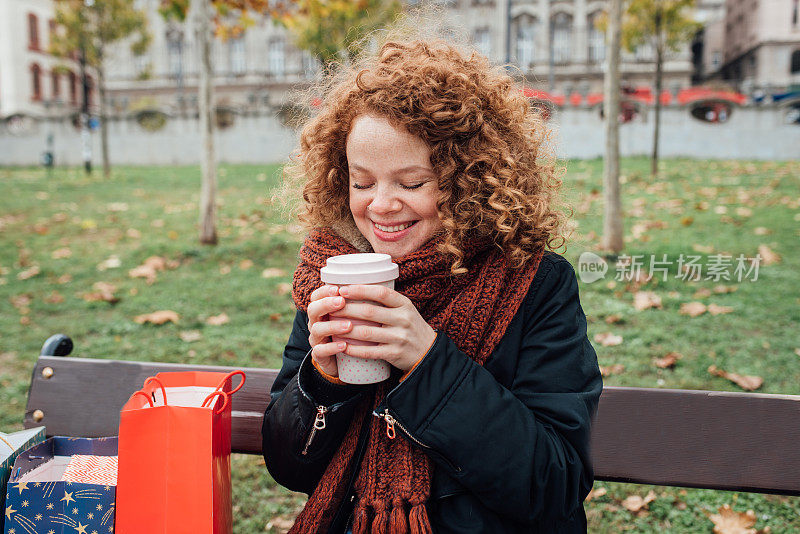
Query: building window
[795,67]
[73,88]
[238,57]
[55,80]
[645,52]
[310,65]
[562,38]
[36,82]
[141,66]
[483,41]
[33,32]
[277,57]
[175,53]
[526,41]
[716,59]
[597,41]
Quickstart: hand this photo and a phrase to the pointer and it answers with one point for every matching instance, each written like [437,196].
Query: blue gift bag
[11,445]
[55,506]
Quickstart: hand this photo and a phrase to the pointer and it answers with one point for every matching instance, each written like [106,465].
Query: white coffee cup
[368,268]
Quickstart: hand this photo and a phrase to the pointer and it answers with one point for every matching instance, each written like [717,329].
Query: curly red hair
[496,175]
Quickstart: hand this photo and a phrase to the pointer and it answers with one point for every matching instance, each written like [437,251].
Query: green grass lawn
[60,235]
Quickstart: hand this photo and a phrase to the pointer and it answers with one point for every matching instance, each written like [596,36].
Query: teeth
[392,228]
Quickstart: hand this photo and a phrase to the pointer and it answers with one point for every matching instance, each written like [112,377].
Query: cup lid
[366,268]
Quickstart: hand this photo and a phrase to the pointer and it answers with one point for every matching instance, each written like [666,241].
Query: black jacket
[509,440]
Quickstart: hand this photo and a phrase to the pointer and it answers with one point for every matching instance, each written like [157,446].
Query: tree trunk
[101,89]
[86,136]
[208,164]
[612,217]
[657,132]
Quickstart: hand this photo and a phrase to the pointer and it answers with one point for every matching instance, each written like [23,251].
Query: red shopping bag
[174,455]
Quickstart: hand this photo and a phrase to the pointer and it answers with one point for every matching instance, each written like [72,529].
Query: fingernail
[346,325]
[341,346]
[343,291]
[338,301]
[333,290]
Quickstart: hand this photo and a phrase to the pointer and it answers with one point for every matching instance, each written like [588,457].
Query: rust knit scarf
[474,310]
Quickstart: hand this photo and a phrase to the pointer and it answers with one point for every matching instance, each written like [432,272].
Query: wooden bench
[668,437]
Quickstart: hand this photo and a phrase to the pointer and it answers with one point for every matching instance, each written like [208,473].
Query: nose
[384,201]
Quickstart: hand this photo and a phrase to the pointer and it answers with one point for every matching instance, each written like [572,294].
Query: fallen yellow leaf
[272,272]
[729,521]
[746,382]
[190,335]
[595,493]
[143,271]
[643,300]
[28,273]
[284,288]
[609,370]
[669,360]
[692,309]
[713,309]
[157,317]
[61,253]
[635,503]
[607,339]
[103,292]
[768,256]
[721,288]
[218,320]
[54,298]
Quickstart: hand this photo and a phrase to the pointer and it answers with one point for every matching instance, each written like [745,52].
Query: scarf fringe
[380,521]
[397,518]
[419,520]
[360,520]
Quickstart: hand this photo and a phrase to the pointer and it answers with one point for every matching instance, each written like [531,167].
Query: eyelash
[409,187]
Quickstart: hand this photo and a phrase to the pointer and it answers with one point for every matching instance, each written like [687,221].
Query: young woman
[435,158]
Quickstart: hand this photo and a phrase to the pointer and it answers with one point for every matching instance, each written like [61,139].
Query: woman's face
[393,188]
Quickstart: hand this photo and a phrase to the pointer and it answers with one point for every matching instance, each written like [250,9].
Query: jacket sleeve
[522,450]
[294,457]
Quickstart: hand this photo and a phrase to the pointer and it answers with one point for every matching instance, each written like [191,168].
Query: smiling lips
[395,228]
[391,233]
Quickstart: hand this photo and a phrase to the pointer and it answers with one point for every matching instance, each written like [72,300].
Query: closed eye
[413,186]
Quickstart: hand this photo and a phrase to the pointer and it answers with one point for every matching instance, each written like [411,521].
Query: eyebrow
[402,170]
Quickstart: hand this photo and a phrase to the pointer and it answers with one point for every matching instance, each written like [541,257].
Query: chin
[393,251]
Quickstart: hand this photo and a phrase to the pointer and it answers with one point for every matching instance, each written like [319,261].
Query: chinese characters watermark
[686,267]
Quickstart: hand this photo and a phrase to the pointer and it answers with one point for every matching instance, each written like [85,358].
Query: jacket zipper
[391,422]
[319,424]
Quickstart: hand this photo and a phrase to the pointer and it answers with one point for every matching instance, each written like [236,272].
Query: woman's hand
[324,301]
[403,339]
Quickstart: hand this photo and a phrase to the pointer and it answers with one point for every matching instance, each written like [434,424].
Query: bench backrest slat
[719,440]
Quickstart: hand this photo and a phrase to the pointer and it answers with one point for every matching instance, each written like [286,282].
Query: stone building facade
[33,82]
[762,45]
[555,45]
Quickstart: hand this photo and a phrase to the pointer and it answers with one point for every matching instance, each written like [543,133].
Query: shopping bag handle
[231,375]
[160,384]
[7,443]
[145,395]
[224,395]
